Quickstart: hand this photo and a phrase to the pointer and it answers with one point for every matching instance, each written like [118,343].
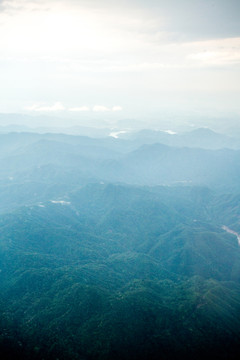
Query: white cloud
[106,50]
[94,40]
[100,108]
[220,52]
[57,106]
[81,108]
[11,6]
[116,108]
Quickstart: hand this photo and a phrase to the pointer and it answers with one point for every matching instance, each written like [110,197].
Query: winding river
[230,231]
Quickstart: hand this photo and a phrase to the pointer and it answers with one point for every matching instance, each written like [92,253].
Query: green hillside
[120,272]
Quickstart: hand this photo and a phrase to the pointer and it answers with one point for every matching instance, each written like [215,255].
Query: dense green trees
[120,272]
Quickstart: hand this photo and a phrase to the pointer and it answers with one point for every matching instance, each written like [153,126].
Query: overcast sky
[120,59]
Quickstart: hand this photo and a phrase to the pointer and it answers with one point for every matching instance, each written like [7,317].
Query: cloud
[101,108]
[81,108]
[128,38]
[116,48]
[19,5]
[57,106]
[211,58]
[116,108]
[220,52]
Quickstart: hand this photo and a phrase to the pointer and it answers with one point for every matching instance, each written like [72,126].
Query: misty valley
[119,248]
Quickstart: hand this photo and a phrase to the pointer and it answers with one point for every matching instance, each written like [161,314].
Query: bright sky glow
[129,61]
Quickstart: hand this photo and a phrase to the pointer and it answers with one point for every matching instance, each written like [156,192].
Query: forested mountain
[111,249]
[204,138]
[34,157]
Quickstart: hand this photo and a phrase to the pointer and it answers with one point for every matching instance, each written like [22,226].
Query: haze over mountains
[119,248]
[141,161]
[88,125]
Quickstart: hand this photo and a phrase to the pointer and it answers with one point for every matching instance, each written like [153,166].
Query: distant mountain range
[115,248]
[200,138]
[63,159]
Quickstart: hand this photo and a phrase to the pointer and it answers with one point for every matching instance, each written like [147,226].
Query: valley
[106,254]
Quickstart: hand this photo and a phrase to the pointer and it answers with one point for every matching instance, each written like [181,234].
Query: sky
[110,60]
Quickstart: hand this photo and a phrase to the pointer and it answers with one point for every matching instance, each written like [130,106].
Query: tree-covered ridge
[111,271]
